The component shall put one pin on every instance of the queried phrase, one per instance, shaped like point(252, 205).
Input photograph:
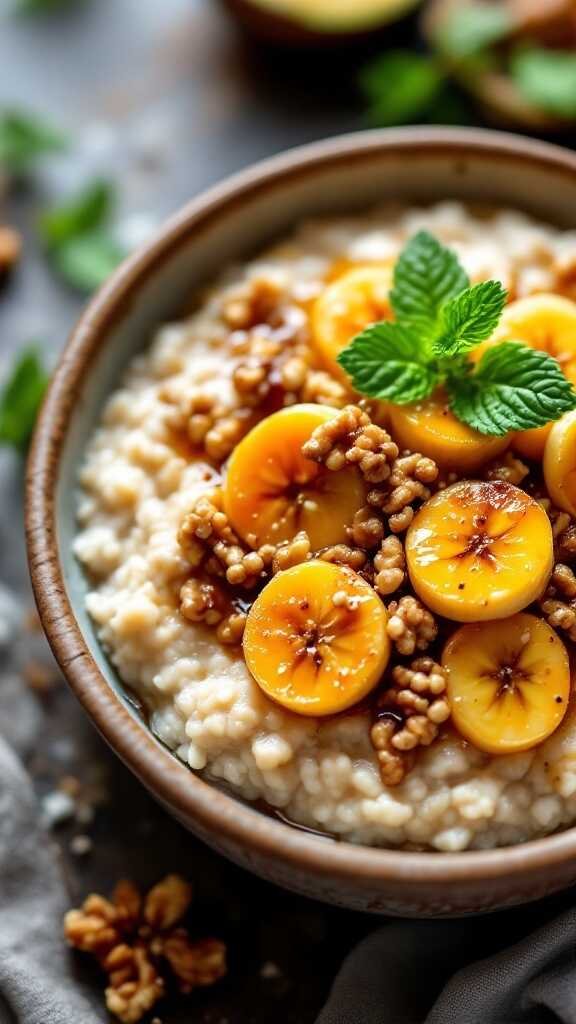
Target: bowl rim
point(216, 812)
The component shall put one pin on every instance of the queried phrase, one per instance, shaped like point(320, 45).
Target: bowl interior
point(234, 221)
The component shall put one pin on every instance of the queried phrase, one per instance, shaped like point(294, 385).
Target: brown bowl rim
point(216, 812)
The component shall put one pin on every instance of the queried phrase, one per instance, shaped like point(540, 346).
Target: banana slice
point(508, 683)
point(431, 428)
point(479, 550)
point(560, 463)
point(315, 640)
point(546, 322)
point(349, 304)
point(272, 492)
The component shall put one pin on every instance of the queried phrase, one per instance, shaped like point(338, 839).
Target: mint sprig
point(440, 318)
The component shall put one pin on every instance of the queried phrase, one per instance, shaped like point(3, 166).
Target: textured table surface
point(163, 99)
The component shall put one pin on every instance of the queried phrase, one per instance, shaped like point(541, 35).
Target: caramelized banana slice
point(560, 463)
point(315, 640)
point(272, 492)
point(349, 304)
point(479, 550)
point(431, 427)
point(508, 683)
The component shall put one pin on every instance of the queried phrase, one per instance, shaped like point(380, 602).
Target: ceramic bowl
point(231, 222)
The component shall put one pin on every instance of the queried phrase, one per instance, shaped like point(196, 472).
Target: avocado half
point(317, 22)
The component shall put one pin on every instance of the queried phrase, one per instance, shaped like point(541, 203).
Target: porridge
point(330, 591)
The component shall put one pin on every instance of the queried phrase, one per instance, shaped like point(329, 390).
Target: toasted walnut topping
point(411, 627)
point(408, 484)
point(559, 602)
point(410, 714)
point(341, 554)
point(231, 629)
point(292, 552)
point(254, 304)
point(351, 438)
point(508, 467)
point(194, 964)
point(223, 437)
point(205, 531)
point(390, 566)
point(319, 386)
point(566, 543)
point(138, 945)
point(251, 380)
point(293, 374)
point(201, 601)
point(135, 986)
point(367, 529)
point(199, 414)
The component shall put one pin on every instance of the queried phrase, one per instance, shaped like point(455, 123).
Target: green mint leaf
point(547, 78)
point(471, 28)
point(426, 275)
point(469, 318)
point(400, 87)
point(21, 399)
point(385, 361)
point(513, 388)
point(87, 211)
point(24, 139)
point(86, 261)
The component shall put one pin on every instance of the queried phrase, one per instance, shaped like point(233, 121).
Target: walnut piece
point(409, 483)
point(206, 530)
point(231, 629)
point(203, 601)
point(559, 602)
point(409, 715)
point(292, 552)
point(508, 467)
point(390, 566)
point(411, 626)
point(350, 438)
point(140, 945)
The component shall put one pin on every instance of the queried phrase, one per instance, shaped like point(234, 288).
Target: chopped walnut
point(410, 714)
point(140, 944)
point(566, 543)
point(508, 467)
point(201, 601)
point(341, 554)
point(367, 529)
point(390, 566)
point(231, 629)
point(292, 552)
point(252, 381)
point(194, 964)
point(252, 305)
point(411, 626)
point(206, 529)
point(319, 386)
point(559, 602)
point(135, 985)
point(351, 438)
point(408, 483)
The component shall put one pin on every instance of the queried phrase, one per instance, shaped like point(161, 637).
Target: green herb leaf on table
point(547, 78)
point(470, 318)
point(513, 388)
point(21, 399)
point(426, 275)
point(86, 261)
point(385, 361)
point(471, 28)
point(24, 139)
point(89, 210)
point(400, 87)
point(78, 240)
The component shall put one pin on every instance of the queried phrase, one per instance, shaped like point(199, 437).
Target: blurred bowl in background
point(313, 23)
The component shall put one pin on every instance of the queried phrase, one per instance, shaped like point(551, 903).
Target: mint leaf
point(24, 138)
point(400, 87)
point(21, 399)
point(513, 388)
point(385, 361)
point(547, 78)
point(86, 261)
point(426, 275)
point(470, 28)
point(469, 318)
point(85, 212)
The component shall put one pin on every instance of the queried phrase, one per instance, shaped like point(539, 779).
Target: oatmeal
point(194, 547)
